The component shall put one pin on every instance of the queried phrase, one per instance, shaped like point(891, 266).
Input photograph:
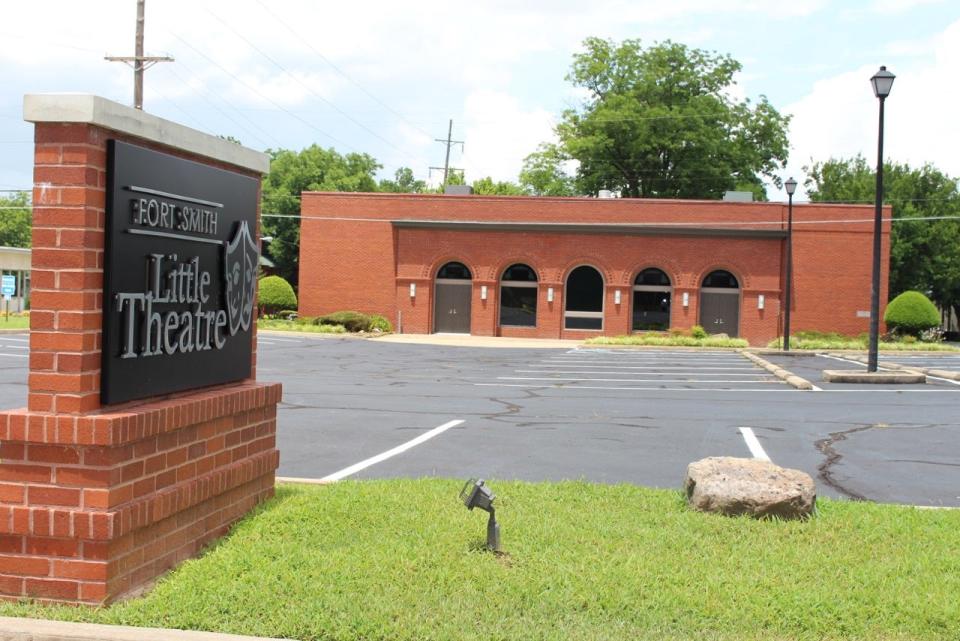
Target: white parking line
point(373, 460)
point(15, 355)
point(653, 367)
point(568, 388)
point(16, 340)
point(756, 373)
point(753, 444)
point(632, 380)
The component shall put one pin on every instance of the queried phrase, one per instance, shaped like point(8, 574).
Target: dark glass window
point(721, 278)
point(518, 302)
point(584, 290)
point(651, 311)
point(652, 276)
point(573, 322)
point(521, 273)
point(518, 306)
point(454, 270)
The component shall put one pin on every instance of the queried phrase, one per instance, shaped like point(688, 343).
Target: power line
point(306, 86)
point(745, 223)
point(339, 70)
point(259, 93)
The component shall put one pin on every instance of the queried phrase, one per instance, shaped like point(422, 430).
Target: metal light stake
point(476, 494)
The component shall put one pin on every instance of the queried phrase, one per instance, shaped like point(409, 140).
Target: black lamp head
point(476, 494)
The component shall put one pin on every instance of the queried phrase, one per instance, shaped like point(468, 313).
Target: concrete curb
point(303, 481)
point(888, 377)
point(16, 629)
point(785, 375)
point(929, 371)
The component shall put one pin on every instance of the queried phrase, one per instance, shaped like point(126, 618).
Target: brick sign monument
point(146, 434)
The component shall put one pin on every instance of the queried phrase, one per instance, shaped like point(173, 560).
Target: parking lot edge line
point(383, 456)
point(754, 445)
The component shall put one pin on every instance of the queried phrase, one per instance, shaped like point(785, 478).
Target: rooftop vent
point(458, 190)
point(606, 193)
point(738, 196)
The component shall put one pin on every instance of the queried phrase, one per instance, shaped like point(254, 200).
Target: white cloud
point(900, 6)
point(500, 133)
point(838, 118)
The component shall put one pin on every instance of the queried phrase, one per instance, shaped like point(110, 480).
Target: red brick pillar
point(98, 500)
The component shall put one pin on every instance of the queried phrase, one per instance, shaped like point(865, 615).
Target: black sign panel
point(179, 274)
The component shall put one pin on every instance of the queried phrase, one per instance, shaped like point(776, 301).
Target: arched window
point(583, 303)
point(518, 297)
point(454, 271)
point(720, 303)
point(651, 300)
point(721, 279)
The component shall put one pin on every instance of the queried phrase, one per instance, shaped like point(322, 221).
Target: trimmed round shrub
point(353, 321)
point(380, 323)
point(911, 313)
point(697, 331)
point(276, 294)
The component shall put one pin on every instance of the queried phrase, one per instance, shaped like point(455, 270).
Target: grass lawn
point(660, 340)
point(14, 322)
point(402, 560)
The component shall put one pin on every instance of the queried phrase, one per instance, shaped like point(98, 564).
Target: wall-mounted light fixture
point(616, 297)
point(686, 299)
point(483, 292)
point(549, 294)
point(760, 301)
point(413, 290)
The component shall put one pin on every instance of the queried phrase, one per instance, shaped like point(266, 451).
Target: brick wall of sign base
point(98, 501)
point(95, 505)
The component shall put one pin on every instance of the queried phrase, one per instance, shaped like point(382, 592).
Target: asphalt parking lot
point(601, 415)
point(373, 409)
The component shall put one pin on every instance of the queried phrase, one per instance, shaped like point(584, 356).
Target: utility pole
point(138, 61)
point(446, 163)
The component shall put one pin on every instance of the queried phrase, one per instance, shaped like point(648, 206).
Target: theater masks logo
point(240, 275)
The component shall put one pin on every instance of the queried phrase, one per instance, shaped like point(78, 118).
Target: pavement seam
point(783, 374)
point(16, 629)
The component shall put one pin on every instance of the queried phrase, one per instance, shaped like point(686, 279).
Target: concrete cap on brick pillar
point(100, 112)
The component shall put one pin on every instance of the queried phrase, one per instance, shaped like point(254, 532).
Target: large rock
point(736, 486)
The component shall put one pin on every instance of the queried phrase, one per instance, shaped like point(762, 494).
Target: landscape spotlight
point(476, 494)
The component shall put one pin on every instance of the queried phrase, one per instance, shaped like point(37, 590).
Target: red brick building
point(579, 267)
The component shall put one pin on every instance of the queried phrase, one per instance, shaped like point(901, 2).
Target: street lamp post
point(791, 187)
point(882, 82)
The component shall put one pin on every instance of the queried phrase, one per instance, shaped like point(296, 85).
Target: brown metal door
point(451, 309)
point(720, 313)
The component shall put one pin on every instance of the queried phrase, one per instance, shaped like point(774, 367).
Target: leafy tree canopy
point(924, 246)
point(543, 174)
point(292, 172)
point(488, 187)
point(660, 122)
point(15, 218)
point(403, 183)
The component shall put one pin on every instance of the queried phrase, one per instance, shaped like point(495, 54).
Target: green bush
point(911, 313)
point(353, 321)
point(276, 294)
point(697, 331)
point(378, 322)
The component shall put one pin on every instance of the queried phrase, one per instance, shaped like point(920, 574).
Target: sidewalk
point(465, 340)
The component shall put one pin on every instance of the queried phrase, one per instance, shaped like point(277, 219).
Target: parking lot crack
point(826, 447)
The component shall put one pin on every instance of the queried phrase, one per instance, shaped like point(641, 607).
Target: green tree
point(924, 240)
point(292, 172)
point(15, 220)
point(543, 174)
point(488, 187)
point(275, 294)
point(660, 122)
point(403, 183)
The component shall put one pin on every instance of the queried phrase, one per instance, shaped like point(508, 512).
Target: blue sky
point(385, 77)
